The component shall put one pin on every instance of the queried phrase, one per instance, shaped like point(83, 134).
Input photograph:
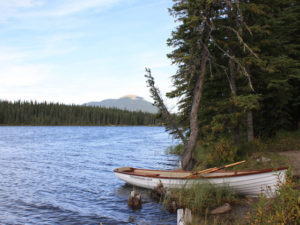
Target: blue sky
point(75, 51)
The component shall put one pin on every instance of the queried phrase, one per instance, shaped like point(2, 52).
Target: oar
point(210, 170)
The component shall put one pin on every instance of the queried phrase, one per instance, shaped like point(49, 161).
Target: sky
point(76, 51)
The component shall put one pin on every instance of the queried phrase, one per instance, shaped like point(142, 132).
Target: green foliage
point(252, 43)
point(284, 141)
point(170, 119)
point(215, 153)
point(283, 209)
point(277, 76)
point(188, 40)
point(218, 152)
point(201, 197)
point(246, 103)
point(175, 150)
point(33, 113)
point(262, 160)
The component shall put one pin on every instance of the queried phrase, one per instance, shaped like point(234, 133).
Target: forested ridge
point(34, 113)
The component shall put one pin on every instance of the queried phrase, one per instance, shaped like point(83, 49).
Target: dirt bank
point(294, 160)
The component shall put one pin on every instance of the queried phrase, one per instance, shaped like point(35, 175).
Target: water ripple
point(63, 175)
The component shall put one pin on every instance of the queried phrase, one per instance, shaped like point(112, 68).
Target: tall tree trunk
point(232, 78)
point(233, 88)
point(232, 72)
point(187, 160)
point(250, 132)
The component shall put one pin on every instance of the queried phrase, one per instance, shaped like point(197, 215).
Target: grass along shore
point(279, 151)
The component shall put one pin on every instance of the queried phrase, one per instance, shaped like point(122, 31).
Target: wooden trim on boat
point(156, 173)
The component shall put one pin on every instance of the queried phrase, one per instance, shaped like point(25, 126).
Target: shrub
point(215, 153)
point(283, 209)
point(175, 150)
point(284, 141)
point(201, 197)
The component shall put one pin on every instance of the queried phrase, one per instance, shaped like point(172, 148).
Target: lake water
point(64, 175)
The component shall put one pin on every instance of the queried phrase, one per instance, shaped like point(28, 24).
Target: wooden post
point(184, 216)
point(135, 200)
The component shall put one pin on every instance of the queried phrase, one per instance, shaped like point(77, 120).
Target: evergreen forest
point(33, 113)
point(238, 89)
point(238, 76)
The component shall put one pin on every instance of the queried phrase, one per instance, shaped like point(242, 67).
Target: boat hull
point(251, 184)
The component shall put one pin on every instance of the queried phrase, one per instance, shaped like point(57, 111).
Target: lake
point(64, 175)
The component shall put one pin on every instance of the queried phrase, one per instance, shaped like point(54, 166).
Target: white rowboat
point(246, 182)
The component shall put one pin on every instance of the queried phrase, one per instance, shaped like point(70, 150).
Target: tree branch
point(158, 102)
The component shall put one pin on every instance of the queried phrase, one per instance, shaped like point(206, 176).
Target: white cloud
point(71, 7)
point(25, 9)
point(23, 75)
point(20, 3)
point(43, 47)
point(8, 54)
point(57, 44)
point(12, 8)
point(16, 70)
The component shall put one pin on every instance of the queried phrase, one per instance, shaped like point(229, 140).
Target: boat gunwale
point(235, 173)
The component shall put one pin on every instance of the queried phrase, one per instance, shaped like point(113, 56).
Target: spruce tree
point(208, 40)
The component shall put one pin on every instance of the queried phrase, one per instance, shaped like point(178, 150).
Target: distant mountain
point(128, 102)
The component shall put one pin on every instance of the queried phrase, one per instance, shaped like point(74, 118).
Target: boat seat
point(125, 169)
point(148, 174)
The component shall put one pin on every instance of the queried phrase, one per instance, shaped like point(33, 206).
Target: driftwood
point(221, 209)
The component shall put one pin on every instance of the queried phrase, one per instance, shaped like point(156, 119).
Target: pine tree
point(208, 40)
point(275, 25)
